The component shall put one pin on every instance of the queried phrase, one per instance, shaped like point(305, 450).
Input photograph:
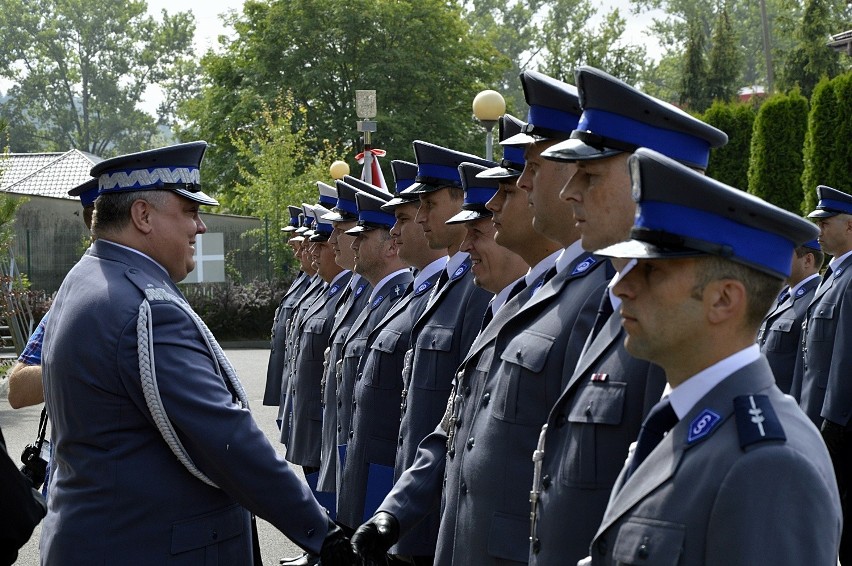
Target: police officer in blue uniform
point(278, 340)
point(368, 466)
point(823, 365)
point(711, 260)
point(781, 330)
point(154, 396)
point(312, 331)
point(608, 392)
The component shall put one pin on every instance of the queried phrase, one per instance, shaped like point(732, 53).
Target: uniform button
point(536, 545)
point(434, 341)
point(518, 354)
point(400, 440)
point(643, 551)
point(463, 488)
point(458, 423)
point(467, 391)
point(339, 428)
point(358, 377)
point(470, 442)
point(215, 535)
point(485, 399)
point(451, 452)
point(351, 434)
point(339, 404)
point(545, 481)
point(561, 420)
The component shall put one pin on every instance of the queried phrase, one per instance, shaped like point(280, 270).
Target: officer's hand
point(336, 549)
point(832, 434)
point(373, 539)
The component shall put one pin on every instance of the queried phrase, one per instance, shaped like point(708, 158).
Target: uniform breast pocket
point(521, 392)
point(214, 538)
point(384, 368)
point(433, 342)
point(821, 327)
point(314, 329)
point(778, 334)
point(594, 455)
point(649, 541)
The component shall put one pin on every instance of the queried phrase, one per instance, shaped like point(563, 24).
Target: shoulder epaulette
point(756, 420)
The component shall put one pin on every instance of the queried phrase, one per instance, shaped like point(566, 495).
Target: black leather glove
point(373, 539)
point(336, 549)
point(832, 434)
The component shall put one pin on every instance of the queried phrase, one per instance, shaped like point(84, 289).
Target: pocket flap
point(386, 341)
point(208, 529)
point(599, 403)
point(315, 325)
point(435, 338)
point(824, 310)
point(648, 541)
point(529, 350)
point(782, 325)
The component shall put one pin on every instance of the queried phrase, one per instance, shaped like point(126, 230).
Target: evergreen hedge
point(729, 163)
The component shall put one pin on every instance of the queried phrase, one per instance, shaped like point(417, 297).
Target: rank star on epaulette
point(460, 271)
point(756, 420)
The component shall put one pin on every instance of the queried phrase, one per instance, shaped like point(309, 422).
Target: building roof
point(45, 174)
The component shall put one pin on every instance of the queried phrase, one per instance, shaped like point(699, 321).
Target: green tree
point(812, 58)
point(729, 163)
point(775, 170)
point(278, 168)
point(827, 157)
point(419, 56)
point(81, 68)
point(567, 42)
point(693, 89)
point(724, 58)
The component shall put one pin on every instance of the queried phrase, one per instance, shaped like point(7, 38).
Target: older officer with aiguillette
point(157, 459)
point(727, 470)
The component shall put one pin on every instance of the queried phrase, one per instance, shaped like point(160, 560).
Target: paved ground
point(19, 428)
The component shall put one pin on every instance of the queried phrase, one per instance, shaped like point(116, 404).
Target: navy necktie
point(605, 310)
point(660, 420)
point(825, 276)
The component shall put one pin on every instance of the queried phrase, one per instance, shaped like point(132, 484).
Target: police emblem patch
point(460, 271)
point(584, 265)
point(360, 289)
point(334, 289)
point(378, 300)
point(422, 288)
point(702, 425)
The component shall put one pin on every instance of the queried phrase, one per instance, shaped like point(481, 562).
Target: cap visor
point(333, 217)
point(288, 229)
point(520, 140)
point(468, 215)
point(198, 197)
point(498, 173)
point(419, 189)
point(396, 201)
point(823, 214)
point(360, 229)
point(637, 249)
point(576, 150)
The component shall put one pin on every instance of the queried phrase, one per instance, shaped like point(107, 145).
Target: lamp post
point(338, 169)
point(488, 106)
point(365, 108)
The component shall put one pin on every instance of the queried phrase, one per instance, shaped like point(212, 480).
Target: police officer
point(710, 262)
point(278, 340)
point(368, 466)
point(312, 331)
point(601, 407)
point(822, 370)
point(154, 395)
point(781, 330)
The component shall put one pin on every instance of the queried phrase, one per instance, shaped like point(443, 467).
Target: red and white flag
point(373, 174)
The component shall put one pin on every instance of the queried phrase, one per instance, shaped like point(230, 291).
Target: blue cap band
point(403, 184)
point(676, 145)
point(837, 205)
point(88, 198)
point(347, 206)
point(324, 228)
point(377, 217)
point(429, 171)
point(327, 201)
point(514, 154)
point(552, 119)
point(478, 195)
point(748, 244)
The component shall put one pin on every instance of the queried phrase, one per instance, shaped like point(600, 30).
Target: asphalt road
point(20, 427)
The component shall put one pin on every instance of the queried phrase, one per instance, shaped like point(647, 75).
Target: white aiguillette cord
point(145, 348)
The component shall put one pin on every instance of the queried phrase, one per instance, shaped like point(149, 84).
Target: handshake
point(368, 547)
